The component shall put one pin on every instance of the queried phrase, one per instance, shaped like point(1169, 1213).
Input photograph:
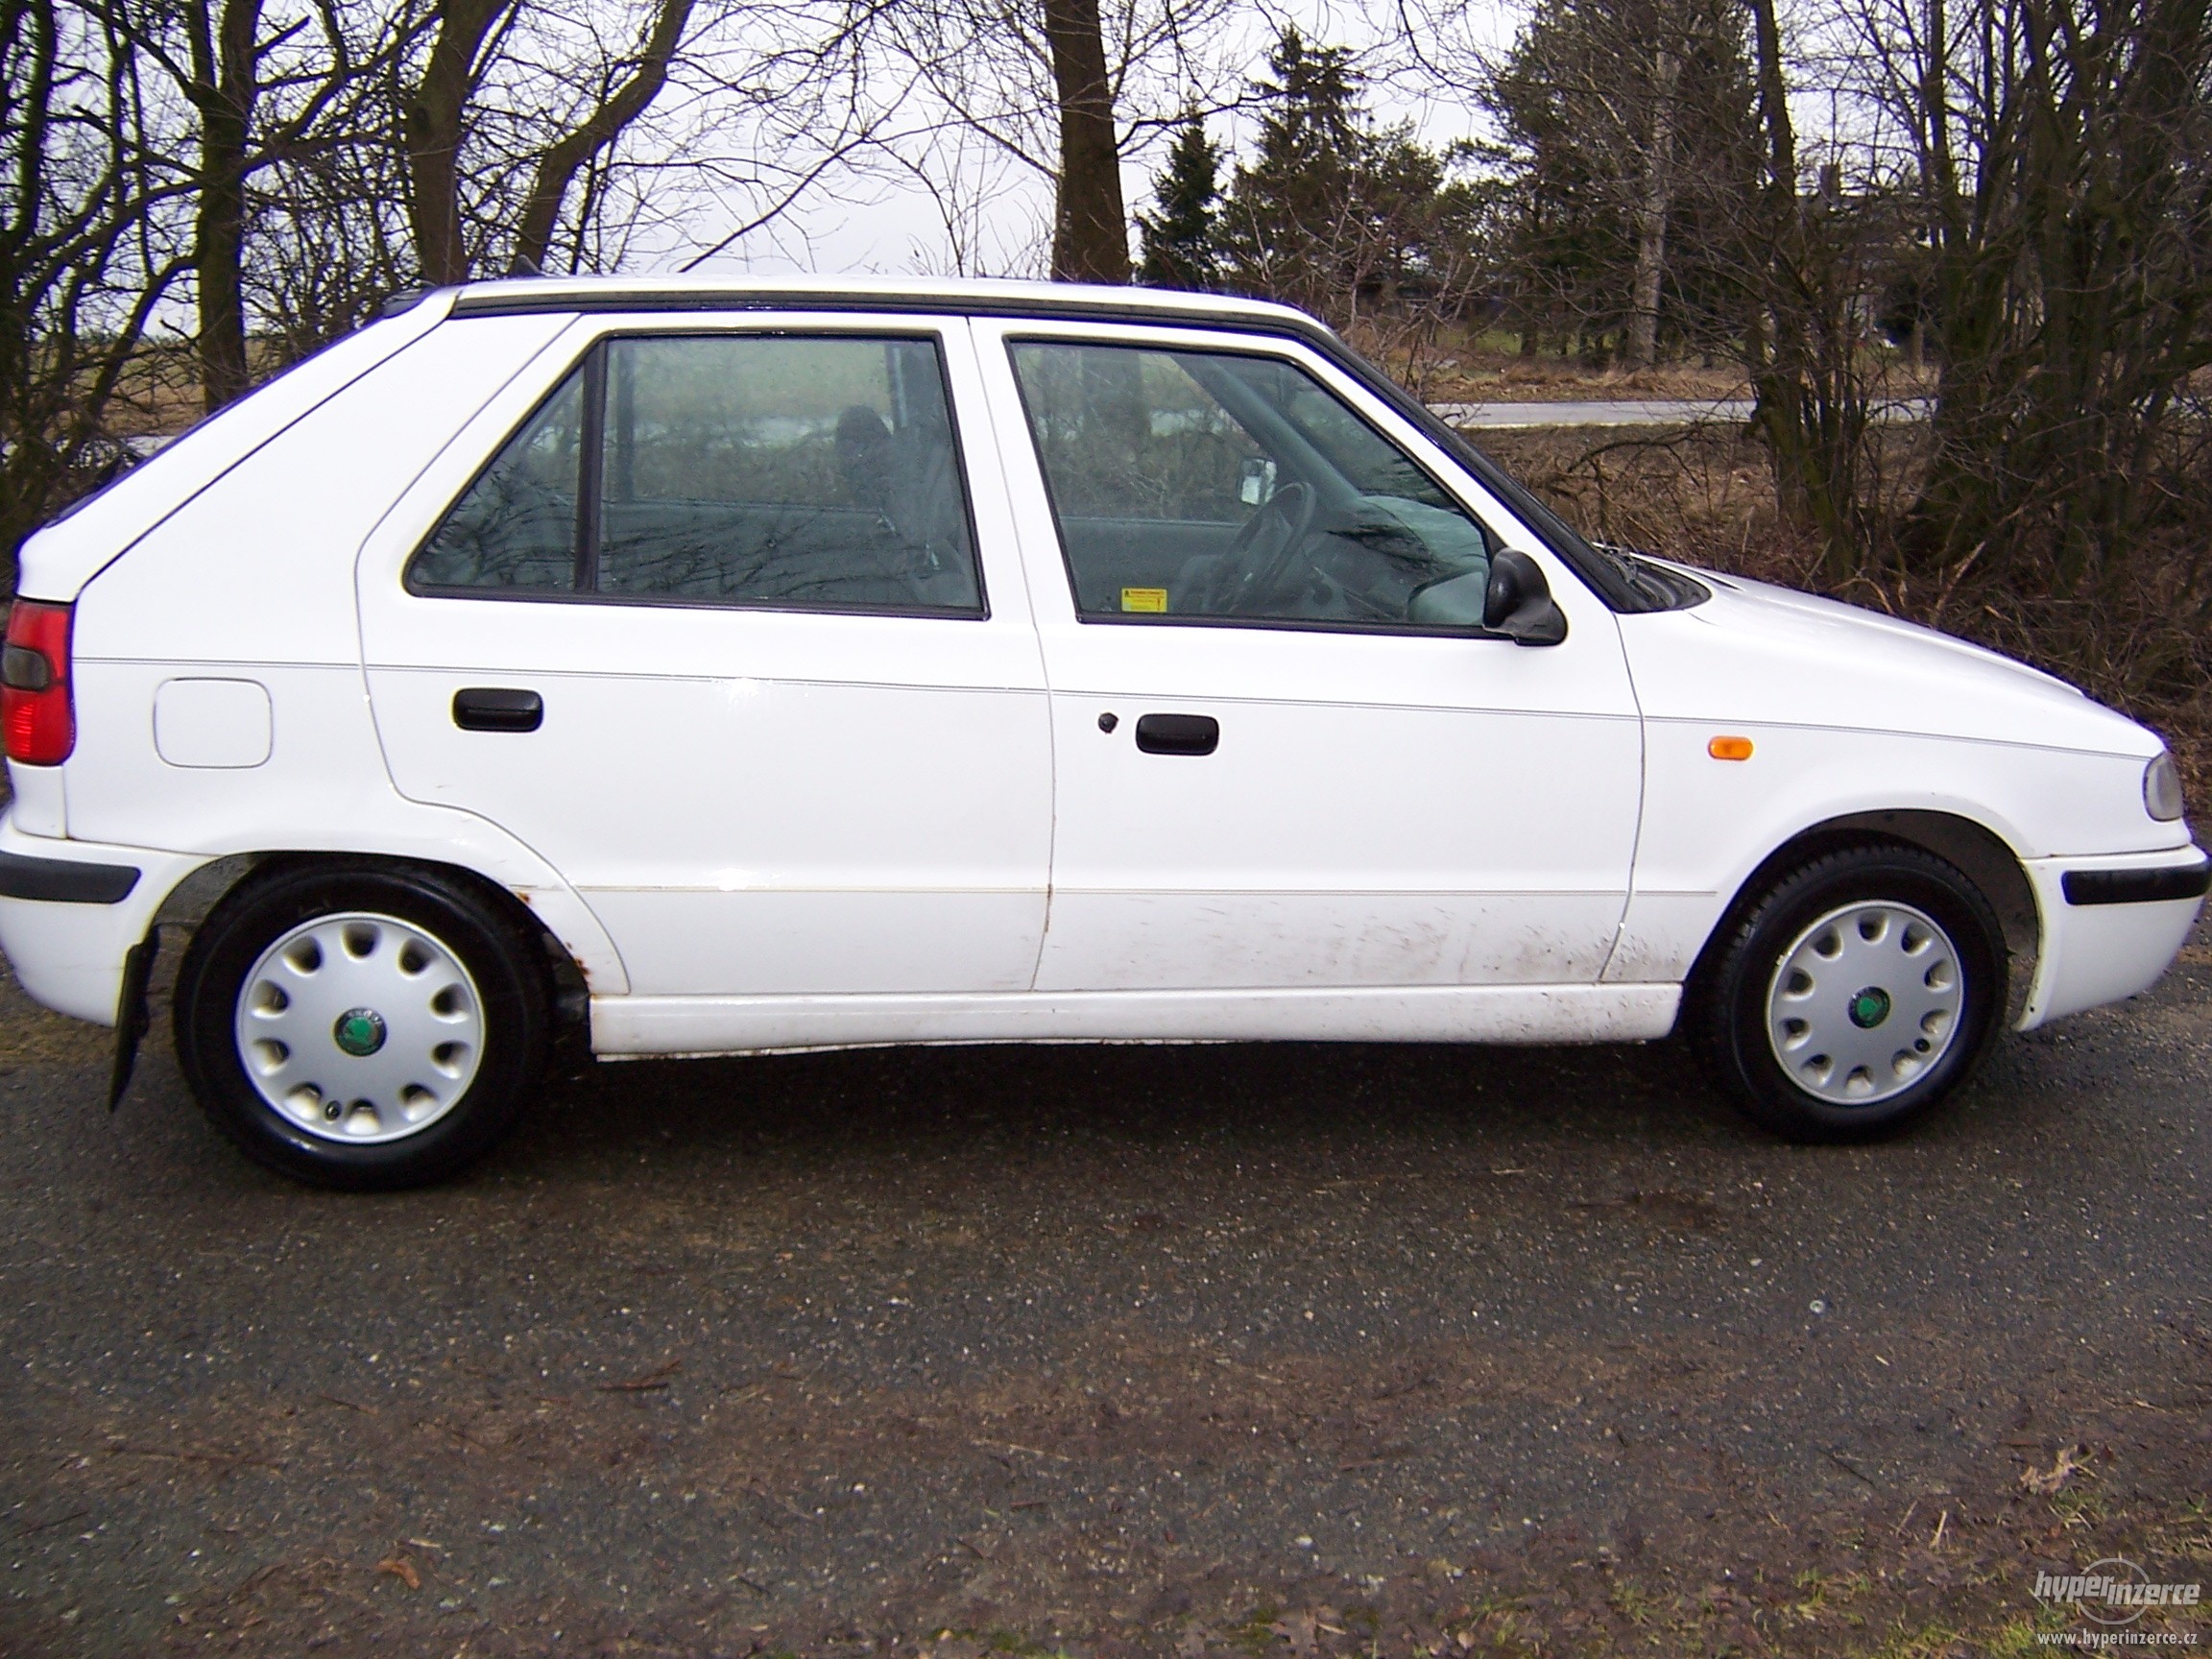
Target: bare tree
point(1064, 88)
point(264, 84)
point(560, 160)
point(547, 137)
point(2040, 166)
point(2059, 151)
point(87, 254)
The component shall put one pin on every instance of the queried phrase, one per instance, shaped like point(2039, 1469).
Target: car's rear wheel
point(362, 1028)
point(1852, 994)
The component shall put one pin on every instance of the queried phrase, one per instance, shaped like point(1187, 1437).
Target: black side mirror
point(1518, 603)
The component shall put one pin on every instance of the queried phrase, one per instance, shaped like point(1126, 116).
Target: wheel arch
point(193, 898)
point(1975, 851)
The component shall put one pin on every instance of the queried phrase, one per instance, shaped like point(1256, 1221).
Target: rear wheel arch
point(195, 898)
point(450, 1014)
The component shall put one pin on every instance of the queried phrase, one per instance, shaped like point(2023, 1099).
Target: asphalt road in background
point(1174, 1350)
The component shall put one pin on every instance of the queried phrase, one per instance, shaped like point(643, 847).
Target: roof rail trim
point(514, 303)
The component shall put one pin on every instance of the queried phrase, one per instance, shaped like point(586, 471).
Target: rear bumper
point(70, 911)
point(2110, 927)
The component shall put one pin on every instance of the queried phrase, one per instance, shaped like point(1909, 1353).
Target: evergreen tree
point(1179, 242)
point(1627, 143)
point(1334, 212)
point(1291, 201)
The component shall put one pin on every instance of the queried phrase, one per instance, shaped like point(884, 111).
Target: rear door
point(711, 615)
point(1288, 754)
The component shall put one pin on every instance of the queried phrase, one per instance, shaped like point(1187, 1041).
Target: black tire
point(1728, 1013)
point(511, 1014)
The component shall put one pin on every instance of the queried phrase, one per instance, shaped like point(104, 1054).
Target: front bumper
point(70, 912)
point(2110, 925)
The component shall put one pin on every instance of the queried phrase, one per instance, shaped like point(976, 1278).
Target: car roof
point(957, 295)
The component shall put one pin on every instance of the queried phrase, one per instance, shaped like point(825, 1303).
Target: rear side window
point(780, 472)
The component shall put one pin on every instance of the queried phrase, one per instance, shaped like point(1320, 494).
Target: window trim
point(1194, 619)
point(1602, 576)
point(592, 364)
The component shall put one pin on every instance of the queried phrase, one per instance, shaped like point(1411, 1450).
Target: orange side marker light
point(1729, 748)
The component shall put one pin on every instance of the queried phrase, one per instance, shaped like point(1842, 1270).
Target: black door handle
point(1178, 734)
point(497, 709)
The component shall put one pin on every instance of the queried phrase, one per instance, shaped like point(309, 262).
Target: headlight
point(2162, 789)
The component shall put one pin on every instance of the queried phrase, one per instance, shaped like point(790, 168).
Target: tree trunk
point(1651, 210)
point(432, 138)
point(1783, 411)
point(1089, 226)
point(226, 85)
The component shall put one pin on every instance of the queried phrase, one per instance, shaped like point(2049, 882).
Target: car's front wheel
point(1852, 994)
point(362, 1028)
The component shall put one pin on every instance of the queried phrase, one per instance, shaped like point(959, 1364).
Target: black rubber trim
point(2138, 886)
point(398, 304)
point(65, 880)
point(1599, 574)
point(131, 1016)
point(586, 302)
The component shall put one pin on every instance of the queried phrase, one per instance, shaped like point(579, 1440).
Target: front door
point(1287, 756)
point(716, 632)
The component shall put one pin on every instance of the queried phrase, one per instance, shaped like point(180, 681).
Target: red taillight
point(34, 707)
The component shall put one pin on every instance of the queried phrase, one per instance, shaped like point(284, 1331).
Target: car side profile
point(735, 667)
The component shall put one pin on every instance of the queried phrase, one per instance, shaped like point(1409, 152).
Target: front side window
point(1219, 486)
point(784, 471)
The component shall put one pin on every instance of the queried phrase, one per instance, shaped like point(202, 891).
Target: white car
point(737, 667)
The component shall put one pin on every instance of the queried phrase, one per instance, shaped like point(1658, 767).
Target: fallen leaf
point(402, 1570)
point(2071, 1462)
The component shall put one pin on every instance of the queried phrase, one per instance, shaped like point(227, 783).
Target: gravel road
point(1132, 1350)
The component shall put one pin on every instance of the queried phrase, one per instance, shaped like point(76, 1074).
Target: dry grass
point(1446, 364)
point(1501, 377)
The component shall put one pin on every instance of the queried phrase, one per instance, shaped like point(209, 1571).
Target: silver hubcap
point(1865, 1001)
point(360, 1028)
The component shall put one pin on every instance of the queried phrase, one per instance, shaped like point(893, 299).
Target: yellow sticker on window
point(1144, 599)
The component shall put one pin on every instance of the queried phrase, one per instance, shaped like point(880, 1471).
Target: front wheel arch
point(1977, 852)
point(1734, 1014)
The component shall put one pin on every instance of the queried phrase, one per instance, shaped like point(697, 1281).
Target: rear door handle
point(497, 709)
point(1178, 734)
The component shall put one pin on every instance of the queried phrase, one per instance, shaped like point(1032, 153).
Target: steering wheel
point(1260, 555)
